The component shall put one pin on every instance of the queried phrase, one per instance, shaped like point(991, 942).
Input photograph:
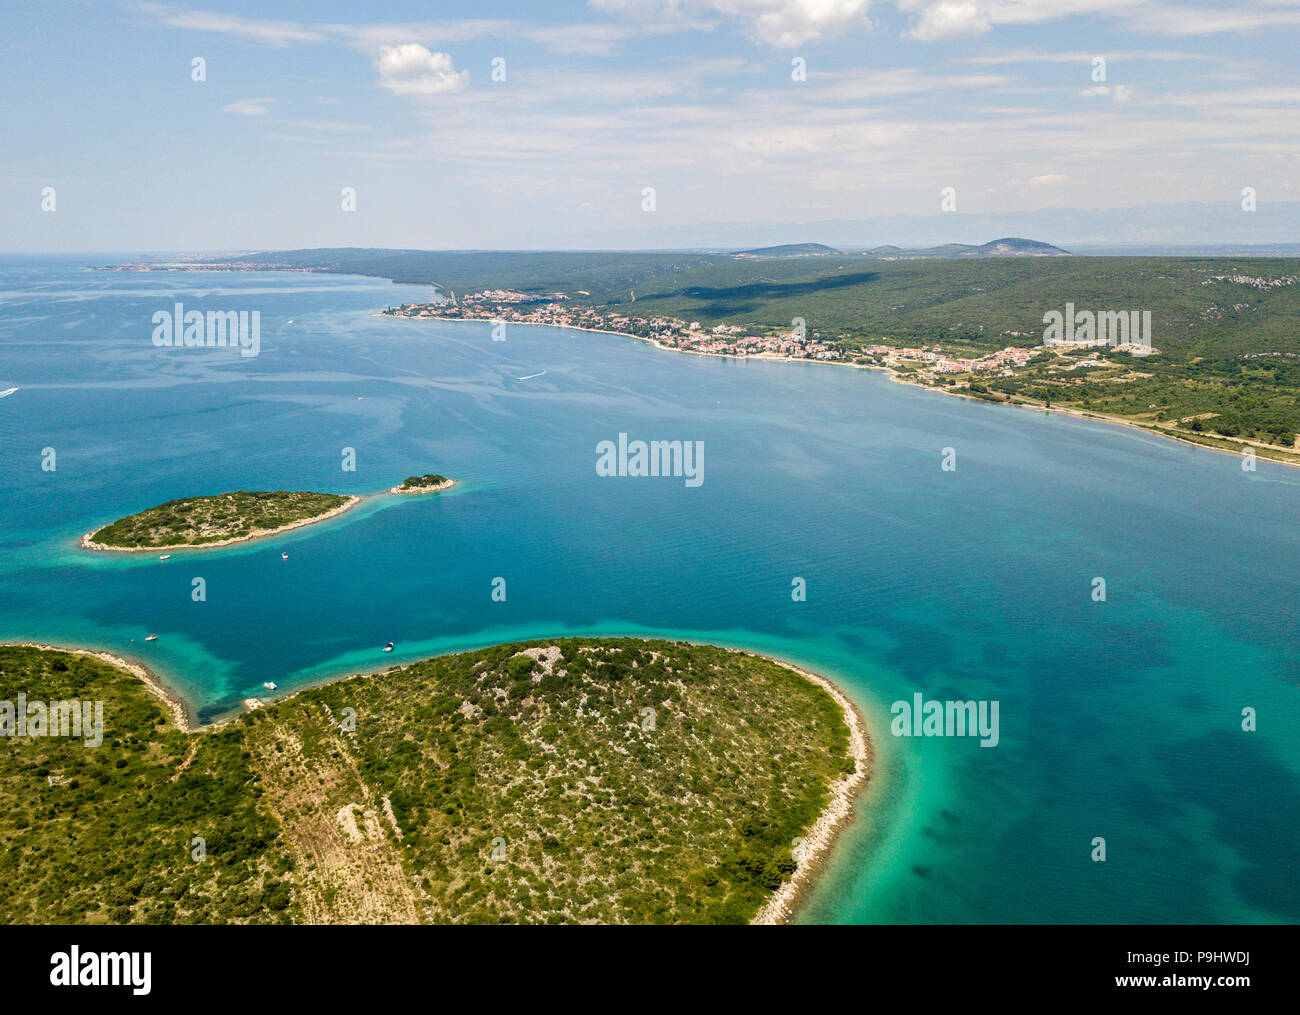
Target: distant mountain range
point(1007, 246)
point(1156, 229)
point(790, 250)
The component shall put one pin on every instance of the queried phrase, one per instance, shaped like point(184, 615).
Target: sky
point(747, 119)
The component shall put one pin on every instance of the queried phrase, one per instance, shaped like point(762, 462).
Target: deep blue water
point(1119, 719)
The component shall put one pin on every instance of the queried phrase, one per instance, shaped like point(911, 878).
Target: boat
point(284, 556)
point(268, 685)
point(165, 556)
point(388, 647)
point(7, 392)
point(152, 637)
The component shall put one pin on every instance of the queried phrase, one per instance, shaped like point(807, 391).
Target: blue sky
point(694, 98)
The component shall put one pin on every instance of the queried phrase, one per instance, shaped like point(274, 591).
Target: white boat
point(152, 637)
point(284, 556)
point(7, 392)
point(388, 647)
point(165, 556)
point(269, 686)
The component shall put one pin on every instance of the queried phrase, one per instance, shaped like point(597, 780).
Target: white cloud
point(781, 23)
point(276, 33)
point(789, 23)
point(248, 107)
point(946, 19)
point(1181, 20)
point(370, 37)
point(410, 69)
point(366, 37)
point(951, 19)
point(1048, 179)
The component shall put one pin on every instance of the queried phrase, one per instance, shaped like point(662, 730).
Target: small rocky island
point(428, 483)
point(217, 520)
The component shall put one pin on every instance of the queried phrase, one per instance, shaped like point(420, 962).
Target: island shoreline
point(87, 543)
point(417, 490)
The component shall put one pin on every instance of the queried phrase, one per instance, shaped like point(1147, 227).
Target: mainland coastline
point(1290, 458)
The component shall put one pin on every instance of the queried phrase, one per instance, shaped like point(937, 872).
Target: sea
point(1147, 761)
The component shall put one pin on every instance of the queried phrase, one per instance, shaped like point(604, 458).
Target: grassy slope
point(110, 839)
point(199, 520)
point(602, 820)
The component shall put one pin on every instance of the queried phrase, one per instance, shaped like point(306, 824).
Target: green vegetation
point(196, 521)
point(1228, 328)
point(577, 781)
point(106, 834)
point(428, 481)
point(1252, 398)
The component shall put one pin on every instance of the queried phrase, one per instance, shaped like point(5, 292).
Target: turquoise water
point(1119, 719)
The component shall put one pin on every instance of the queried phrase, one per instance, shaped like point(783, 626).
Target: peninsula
point(555, 781)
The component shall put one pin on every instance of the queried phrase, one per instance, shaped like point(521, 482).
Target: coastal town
point(505, 306)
